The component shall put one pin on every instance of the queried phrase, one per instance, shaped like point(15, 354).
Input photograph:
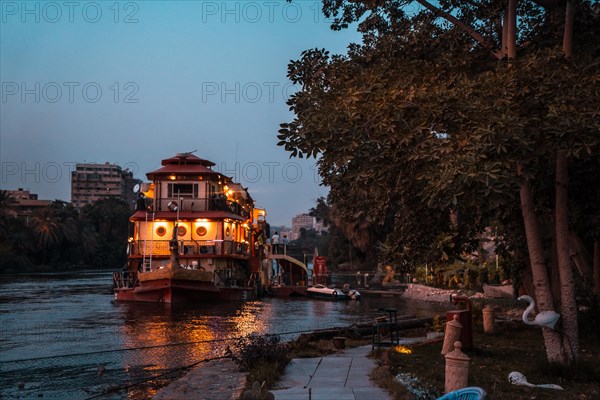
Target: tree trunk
point(568, 304)
point(505, 34)
point(511, 31)
point(552, 340)
point(581, 258)
point(568, 32)
point(597, 266)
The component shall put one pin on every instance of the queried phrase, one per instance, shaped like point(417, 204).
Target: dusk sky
point(134, 82)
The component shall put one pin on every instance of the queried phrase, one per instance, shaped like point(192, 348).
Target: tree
point(434, 112)
point(55, 228)
point(104, 229)
point(347, 242)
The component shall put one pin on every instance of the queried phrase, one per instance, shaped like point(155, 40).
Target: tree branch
point(472, 32)
point(550, 4)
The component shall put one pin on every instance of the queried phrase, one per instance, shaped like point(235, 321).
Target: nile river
point(62, 336)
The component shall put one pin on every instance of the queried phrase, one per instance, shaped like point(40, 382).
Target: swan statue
point(518, 379)
point(545, 318)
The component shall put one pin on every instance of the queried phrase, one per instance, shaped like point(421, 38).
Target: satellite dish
point(136, 188)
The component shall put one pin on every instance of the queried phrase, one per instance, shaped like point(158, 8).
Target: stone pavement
point(343, 375)
point(213, 380)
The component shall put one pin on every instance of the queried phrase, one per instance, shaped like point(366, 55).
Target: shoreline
point(231, 383)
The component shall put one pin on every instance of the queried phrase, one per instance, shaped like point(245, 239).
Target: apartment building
point(301, 221)
point(93, 182)
point(25, 202)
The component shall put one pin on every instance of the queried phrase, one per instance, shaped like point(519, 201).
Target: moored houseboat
point(195, 237)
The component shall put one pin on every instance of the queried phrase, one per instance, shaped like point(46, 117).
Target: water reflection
point(52, 315)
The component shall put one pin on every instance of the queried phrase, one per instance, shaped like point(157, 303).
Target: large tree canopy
point(448, 110)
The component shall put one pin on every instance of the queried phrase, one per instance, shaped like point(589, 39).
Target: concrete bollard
point(451, 335)
point(489, 320)
point(457, 369)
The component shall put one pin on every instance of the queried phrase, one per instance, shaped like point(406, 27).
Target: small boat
point(323, 292)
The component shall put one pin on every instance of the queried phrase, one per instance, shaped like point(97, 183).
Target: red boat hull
point(288, 291)
point(178, 291)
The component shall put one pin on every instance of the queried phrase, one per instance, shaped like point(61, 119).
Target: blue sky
point(133, 82)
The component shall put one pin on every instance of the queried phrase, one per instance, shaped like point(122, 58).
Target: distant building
point(93, 182)
point(301, 221)
point(26, 202)
point(320, 227)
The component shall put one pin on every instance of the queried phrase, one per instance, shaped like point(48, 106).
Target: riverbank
point(202, 380)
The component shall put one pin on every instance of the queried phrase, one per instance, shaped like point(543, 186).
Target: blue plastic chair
point(468, 393)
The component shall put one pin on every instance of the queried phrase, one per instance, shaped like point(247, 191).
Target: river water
point(62, 336)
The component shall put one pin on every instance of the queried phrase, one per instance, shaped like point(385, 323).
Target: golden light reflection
point(402, 350)
point(251, 319)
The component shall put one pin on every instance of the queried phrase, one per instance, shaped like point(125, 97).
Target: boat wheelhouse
point(195, 236)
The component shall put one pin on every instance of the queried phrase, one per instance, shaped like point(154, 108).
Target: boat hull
point(324, 293)
point(182, 291)
point(287, 291)
point(180, 285)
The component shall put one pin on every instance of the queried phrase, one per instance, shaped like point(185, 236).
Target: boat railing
point(199, 204)
point(191, 247)
point(125, 279)
point(227, 278)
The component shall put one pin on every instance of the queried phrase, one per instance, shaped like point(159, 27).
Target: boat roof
point(184, 164)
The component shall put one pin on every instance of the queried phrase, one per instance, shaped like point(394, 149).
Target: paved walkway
point(343, 375)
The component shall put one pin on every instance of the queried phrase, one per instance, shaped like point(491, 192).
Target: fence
point(112, 374)
point(132, 373)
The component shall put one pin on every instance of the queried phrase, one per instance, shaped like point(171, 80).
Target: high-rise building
point(301, 221)
point(92, 182)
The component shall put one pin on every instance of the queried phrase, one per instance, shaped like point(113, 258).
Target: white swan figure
point(517, 378)
point(545, 318)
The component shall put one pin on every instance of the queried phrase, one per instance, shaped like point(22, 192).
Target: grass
point(514, 348)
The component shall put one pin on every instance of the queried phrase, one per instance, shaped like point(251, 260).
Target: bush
point(253, 350)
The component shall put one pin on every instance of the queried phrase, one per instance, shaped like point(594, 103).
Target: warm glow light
point(172, 177)
point(402, 350)
point(201, 220)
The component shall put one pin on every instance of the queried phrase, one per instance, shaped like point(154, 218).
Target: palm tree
point(47, 229)
point(7, 202)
